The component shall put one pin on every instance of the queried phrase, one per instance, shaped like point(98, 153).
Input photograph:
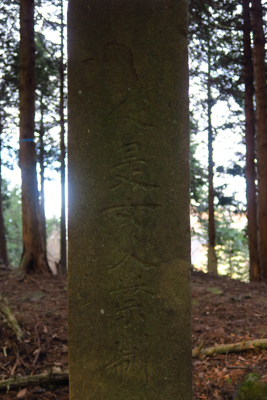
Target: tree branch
point(198, 352)
point(31, 380)
point(10, 318)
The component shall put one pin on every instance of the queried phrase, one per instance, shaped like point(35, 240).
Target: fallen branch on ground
point(32, 380)
point(24, 381)
point(10, 318)
point(198, 352)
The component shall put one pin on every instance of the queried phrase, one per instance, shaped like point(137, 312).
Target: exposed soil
point(234, 312)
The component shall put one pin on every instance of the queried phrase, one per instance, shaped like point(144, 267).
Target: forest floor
point(223, 311)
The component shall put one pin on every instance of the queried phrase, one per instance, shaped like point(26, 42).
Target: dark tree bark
point(261, 130)
point(41, 162)
point(254, 267)
point(212, 259)
point(33, 257)
point(63, 248)
point(3, 244)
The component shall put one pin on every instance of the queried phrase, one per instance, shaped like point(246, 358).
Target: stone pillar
point(129, 237)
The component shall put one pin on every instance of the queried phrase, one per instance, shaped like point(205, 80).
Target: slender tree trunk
point(33, 257)
point(230, 261)
point(212, 259)
point(261, 130)
point(254, 267)
point(3, 245)
point(41, 161)
point(63, 249)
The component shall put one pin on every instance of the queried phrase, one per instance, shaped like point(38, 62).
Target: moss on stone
point(252, 389)
point(129, 233)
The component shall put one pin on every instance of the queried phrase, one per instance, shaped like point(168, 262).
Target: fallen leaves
point(45, 335)
point(22, 393)
point(215, 290)
point(232, 320)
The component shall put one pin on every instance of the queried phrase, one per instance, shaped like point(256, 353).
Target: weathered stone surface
point(129, 238)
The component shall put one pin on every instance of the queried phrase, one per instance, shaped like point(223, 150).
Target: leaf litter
point(240, 315)
point(234, 312)
point(40, 306)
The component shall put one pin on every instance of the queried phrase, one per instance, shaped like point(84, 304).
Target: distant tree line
point(227, 64)
point(32, 103)
point(229, 67)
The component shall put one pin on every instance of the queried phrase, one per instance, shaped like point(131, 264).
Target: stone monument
point(129, 236)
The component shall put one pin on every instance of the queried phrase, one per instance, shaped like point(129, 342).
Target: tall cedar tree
point(3, 244)
point(63, 248)
point(200, 30)
point(229, 60)
point(41, 162)
point(201, 18)
point(261, 130)
point(254, 268)
point(33, 257)
point(45, 71)
point(212, 260)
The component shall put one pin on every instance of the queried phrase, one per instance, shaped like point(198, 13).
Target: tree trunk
point(41, 161)
point(33, 257)
point(3, 245)
point(261, 130)
point(231, 268)
point(63, 249)
point(254, 267)
point(212, 259)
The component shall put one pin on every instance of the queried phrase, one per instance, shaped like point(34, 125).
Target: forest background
point(219, 149)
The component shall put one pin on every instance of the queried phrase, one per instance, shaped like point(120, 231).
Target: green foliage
point(53, 240)
point(231, 238)
point(13, 222)
point(232, 245)
point(236, 170)
point(52, 225)
point(198, 176)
